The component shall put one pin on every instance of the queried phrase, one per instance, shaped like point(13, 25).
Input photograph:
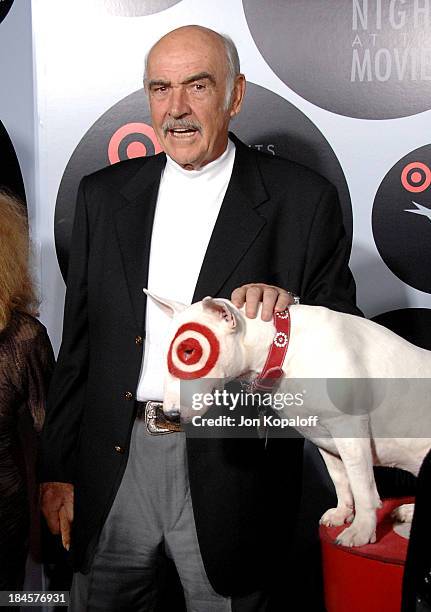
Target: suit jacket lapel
point(237, 225)
point(134, 223)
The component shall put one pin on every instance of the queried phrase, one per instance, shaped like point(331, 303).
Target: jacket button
point(128, 395)
point(138, 340)
point(119, 449)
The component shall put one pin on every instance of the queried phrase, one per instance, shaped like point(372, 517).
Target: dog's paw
point(357, 535)
point(334, 517)
point(404, 513)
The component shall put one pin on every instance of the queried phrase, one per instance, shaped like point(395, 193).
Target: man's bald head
point(210, 37)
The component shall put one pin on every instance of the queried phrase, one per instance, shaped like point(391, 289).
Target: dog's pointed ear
point(223, 309)
point(169, 307)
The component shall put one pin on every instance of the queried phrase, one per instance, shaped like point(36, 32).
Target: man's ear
point(169, 307)
point(223, 309)
point(237, 95)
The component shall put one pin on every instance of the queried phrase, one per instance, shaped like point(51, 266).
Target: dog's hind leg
point(403, 513)
point(343, 513)
point(356, 456)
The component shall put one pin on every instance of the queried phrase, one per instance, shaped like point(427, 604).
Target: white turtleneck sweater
point(187, 207)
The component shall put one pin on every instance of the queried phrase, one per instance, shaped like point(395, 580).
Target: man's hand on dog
point(57, 508)
point(274, 299)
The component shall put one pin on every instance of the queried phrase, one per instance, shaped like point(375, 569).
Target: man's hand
point(57, 508)
point(272, 298)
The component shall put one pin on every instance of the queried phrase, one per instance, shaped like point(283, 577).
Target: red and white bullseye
point(193, 351)
point(136, 147)
point(416, 177)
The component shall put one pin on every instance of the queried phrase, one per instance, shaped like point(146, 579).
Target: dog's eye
point(188, 353)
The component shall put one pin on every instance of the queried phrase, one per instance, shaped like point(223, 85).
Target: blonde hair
point(16, 285)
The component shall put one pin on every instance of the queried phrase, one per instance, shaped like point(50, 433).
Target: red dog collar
point(273, 368)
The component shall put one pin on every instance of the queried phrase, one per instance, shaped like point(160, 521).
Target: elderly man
point(208, 216)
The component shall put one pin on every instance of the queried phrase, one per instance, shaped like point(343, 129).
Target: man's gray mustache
point(180, 123)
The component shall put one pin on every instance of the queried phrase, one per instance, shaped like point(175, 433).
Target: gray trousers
point(151, 516)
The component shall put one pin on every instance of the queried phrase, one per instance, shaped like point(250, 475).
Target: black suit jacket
point(280, 224)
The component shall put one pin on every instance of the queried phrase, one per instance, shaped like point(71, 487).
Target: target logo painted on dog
point(193, 352)
point(402, 219)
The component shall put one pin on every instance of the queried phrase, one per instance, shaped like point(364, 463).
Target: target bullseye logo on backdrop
point(360, 58)
point(416, 177)
point(402, 219)
point(129, 141)
point(5, 6)
point(124, 131)
point(193, 352)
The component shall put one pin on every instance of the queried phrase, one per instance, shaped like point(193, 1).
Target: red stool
point(367, 578)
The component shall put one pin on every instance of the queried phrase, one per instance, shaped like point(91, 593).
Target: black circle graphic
point(5, 6)
point(413, 324)
point(136, 8)
point(402, 219)
point(352, 57)
point(10, 172)
point(267, 122)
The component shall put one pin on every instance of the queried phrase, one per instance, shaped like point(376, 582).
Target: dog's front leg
point(356, 456)
point(343, 513)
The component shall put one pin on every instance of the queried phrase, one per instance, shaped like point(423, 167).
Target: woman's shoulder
point(23, 328)
point(27, 339)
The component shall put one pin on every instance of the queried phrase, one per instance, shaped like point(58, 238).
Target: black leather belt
point(155, 419)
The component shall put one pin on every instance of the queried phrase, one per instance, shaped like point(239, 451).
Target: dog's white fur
point(330, 345)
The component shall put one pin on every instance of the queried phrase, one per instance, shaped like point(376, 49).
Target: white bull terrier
point(213, 339)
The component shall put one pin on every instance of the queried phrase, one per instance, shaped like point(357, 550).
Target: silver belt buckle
point(150, 419)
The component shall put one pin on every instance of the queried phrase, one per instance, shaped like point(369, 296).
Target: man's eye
point(160, 89)
point(199, 87)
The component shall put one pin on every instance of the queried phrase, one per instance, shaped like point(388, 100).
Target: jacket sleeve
point(39, 365)
point(327, 279)
point(64, 413)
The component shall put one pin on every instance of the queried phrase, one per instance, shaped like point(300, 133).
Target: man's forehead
point(189, 54)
